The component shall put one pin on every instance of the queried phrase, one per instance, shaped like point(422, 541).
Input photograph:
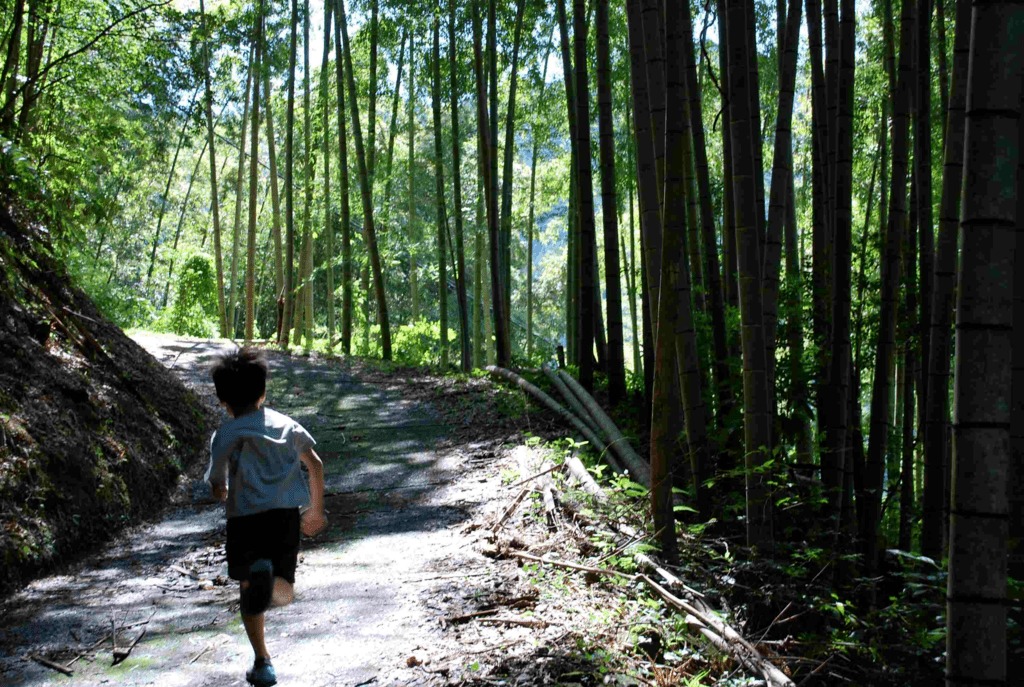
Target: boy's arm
point(313, 521)
point(217, 472)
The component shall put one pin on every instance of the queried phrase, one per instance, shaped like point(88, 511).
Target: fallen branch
point(209, 645)
point(511, 509)
point(567, 565)
point(571, 399)
point(448, 576)
point(582, 476)
point(51, 664)
point(620, 549)
point(469, 616)
point(121, 654)
point(560, 410)
point(671, 580)
point(496, 649)
point(533, 477)
point(817, 670)
point(87, 651)
point(698, 613)
point(723, 636)
point(524, 622)
point(640, 469)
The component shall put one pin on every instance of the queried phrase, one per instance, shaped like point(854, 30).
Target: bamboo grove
point(787, 230)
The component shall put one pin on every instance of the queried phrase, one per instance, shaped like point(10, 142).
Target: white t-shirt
point(257, 456)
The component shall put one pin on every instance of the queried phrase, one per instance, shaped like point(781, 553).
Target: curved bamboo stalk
point(618, 443)
point(556, 407)
point(571, 399)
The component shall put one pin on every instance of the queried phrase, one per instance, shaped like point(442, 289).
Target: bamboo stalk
point(618, 443)
point(556, 407)
point(571, 399)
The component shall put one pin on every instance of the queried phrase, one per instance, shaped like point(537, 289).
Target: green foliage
point(419, 343)
point(194, 312)
point(124, 304)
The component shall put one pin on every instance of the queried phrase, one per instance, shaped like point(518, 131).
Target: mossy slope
point(93, 431)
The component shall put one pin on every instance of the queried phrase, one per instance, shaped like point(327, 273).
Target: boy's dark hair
point(240, 378)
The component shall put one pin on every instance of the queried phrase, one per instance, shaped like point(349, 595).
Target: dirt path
point(396, 501)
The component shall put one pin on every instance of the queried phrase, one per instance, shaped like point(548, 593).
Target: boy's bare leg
point(283, 593)
point(254, 629)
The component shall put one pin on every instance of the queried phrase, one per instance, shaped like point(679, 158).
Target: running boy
point(256, 460)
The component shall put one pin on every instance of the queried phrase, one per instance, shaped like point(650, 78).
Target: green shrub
point(194, 312)
point(419, 344)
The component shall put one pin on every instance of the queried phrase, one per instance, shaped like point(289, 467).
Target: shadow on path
point(357, 612)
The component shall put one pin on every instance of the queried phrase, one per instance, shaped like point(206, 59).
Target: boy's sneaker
point(256, 598)
point(262, 673)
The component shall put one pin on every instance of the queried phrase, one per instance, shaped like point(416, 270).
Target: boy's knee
point(283, 594)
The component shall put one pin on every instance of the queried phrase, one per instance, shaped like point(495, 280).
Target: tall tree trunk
point(782, 172)
point(411, 230)
point(502, 350)
point(478, 276)
point(32, 79)
point(455, 92)
point(392, 134)
point(610, 211)
point(491, 61)
point(572, 267)
point(307, 184)
point(664, 300)
point(654, 52)
point(822, 231)
point(9, 76)
point(977, 584)
point(837, 409)
point(364, 277)
point(289, 186)
point(880, 160)
point(347, 276)
point(630, 266)
point(239, 176)
point(647, 195)
point(936, 430)
point(890, 271)
point(1015, 484)
point(371, 110)
point(214, 199)
point(731, 288)
point(509, 153)
point(675, 318)
point(275, 194)
point(757, 417)
point(442, 263)
point(366, 193)
point(584, 196)
point(798, 391)
point(329, 220)
point(572, 263)
point(906, 379)
point(533, 194)
point(254, 158)
point(940, 31)
point(712, 268)
point(754, 94)
point(923, 169)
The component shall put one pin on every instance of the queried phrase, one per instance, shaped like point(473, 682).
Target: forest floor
point(403, 589)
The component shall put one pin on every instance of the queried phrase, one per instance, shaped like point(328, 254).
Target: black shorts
point(272, 534)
